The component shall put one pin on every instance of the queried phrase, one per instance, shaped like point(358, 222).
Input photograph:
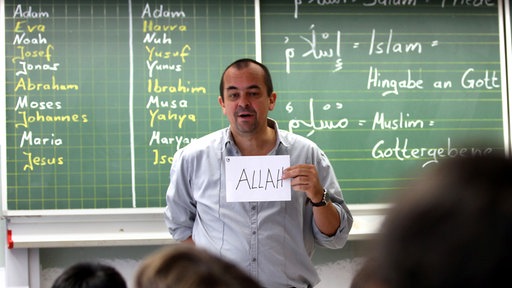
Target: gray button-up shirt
point(272, 241)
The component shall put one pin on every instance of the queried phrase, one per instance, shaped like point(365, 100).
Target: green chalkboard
point(336, 65)
point(100, 94)
point(92, 121)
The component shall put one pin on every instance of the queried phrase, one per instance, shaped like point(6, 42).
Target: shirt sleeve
point(339, 239)
point(180, 212)
point(330, 182)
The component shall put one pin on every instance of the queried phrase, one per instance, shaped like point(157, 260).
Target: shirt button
point(253, 259)
point(253, 232)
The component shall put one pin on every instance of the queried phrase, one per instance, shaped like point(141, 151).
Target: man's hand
point(304, 177)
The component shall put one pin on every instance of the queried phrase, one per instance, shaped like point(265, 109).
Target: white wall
point(336, 267)
point(2, 277)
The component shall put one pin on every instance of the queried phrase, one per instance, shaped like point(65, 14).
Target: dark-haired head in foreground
point(452, 227)
point(90, 275)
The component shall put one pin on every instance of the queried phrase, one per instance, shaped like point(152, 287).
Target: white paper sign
point(257, 178)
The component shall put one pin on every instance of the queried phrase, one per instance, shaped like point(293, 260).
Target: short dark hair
point(244, 63)
point(90, 275)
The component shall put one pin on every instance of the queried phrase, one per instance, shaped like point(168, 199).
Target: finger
point(298, 170)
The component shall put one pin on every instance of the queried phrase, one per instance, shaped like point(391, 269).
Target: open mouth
point(245, 115)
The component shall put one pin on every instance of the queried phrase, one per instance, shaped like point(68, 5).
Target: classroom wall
point(2, 252)
point(3, 244)
point(336, 267)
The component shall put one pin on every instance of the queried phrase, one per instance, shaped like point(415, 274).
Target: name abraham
point(30, 86)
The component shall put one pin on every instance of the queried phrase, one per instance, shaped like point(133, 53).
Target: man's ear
point(221, 103)
point(272, 100)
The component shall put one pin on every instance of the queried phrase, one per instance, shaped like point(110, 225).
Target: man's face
point(246, 103)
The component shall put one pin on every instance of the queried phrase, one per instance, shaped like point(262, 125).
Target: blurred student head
point(90, 275)
point(186, 266)
point(452, 227)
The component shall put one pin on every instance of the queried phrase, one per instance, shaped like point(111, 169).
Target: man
point(271, 240)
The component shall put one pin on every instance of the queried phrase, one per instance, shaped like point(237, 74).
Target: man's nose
point(244, 101)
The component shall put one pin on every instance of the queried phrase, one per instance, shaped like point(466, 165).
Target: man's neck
point(256, 144)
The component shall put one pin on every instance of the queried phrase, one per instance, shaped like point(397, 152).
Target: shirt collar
point(228, 137)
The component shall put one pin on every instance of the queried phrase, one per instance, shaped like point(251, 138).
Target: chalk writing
point(42, 118)
point(389, 46)
point(23, 103)
point(22, 26)
point(489, 80)
point(33, 51)
point(22, 39)
point(329, 4)
point(402, 122)
point(40, 161)
point(154, 39)
point(156, 115)
point(160, 12)
point(156, 66)
point(180, 141)
point(401, 151)
point(19, 13)
point(154, 101)
point(28, 85)
point(468, 3)
point(182, 54)
point(39, 141)
point(160, 158)
point(150, 26)
point(375, 80)
point(394, 3)
point(317, 52)
point(167, 51)
point(155, 87)
point(26, 67)
point(45, 54)
point(317, 125)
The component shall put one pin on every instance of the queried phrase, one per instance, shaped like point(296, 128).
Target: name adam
point(18, 12)
point(160, 12)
